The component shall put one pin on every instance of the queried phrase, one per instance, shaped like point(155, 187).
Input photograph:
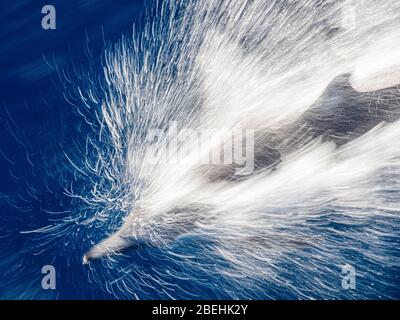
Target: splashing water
point(316, 85)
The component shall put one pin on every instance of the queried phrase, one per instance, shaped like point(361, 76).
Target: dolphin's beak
point(114, 244)
point(122, 239)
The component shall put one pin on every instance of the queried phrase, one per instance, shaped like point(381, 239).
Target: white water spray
point(262, 65)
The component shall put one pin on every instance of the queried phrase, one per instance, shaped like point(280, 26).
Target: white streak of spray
point(245, 64)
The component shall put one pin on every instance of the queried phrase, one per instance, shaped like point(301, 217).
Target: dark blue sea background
point(38, 124)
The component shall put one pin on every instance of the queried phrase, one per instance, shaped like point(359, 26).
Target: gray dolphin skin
point(340, 115)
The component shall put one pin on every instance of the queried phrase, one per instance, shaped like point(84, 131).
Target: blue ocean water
point(39, 124)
